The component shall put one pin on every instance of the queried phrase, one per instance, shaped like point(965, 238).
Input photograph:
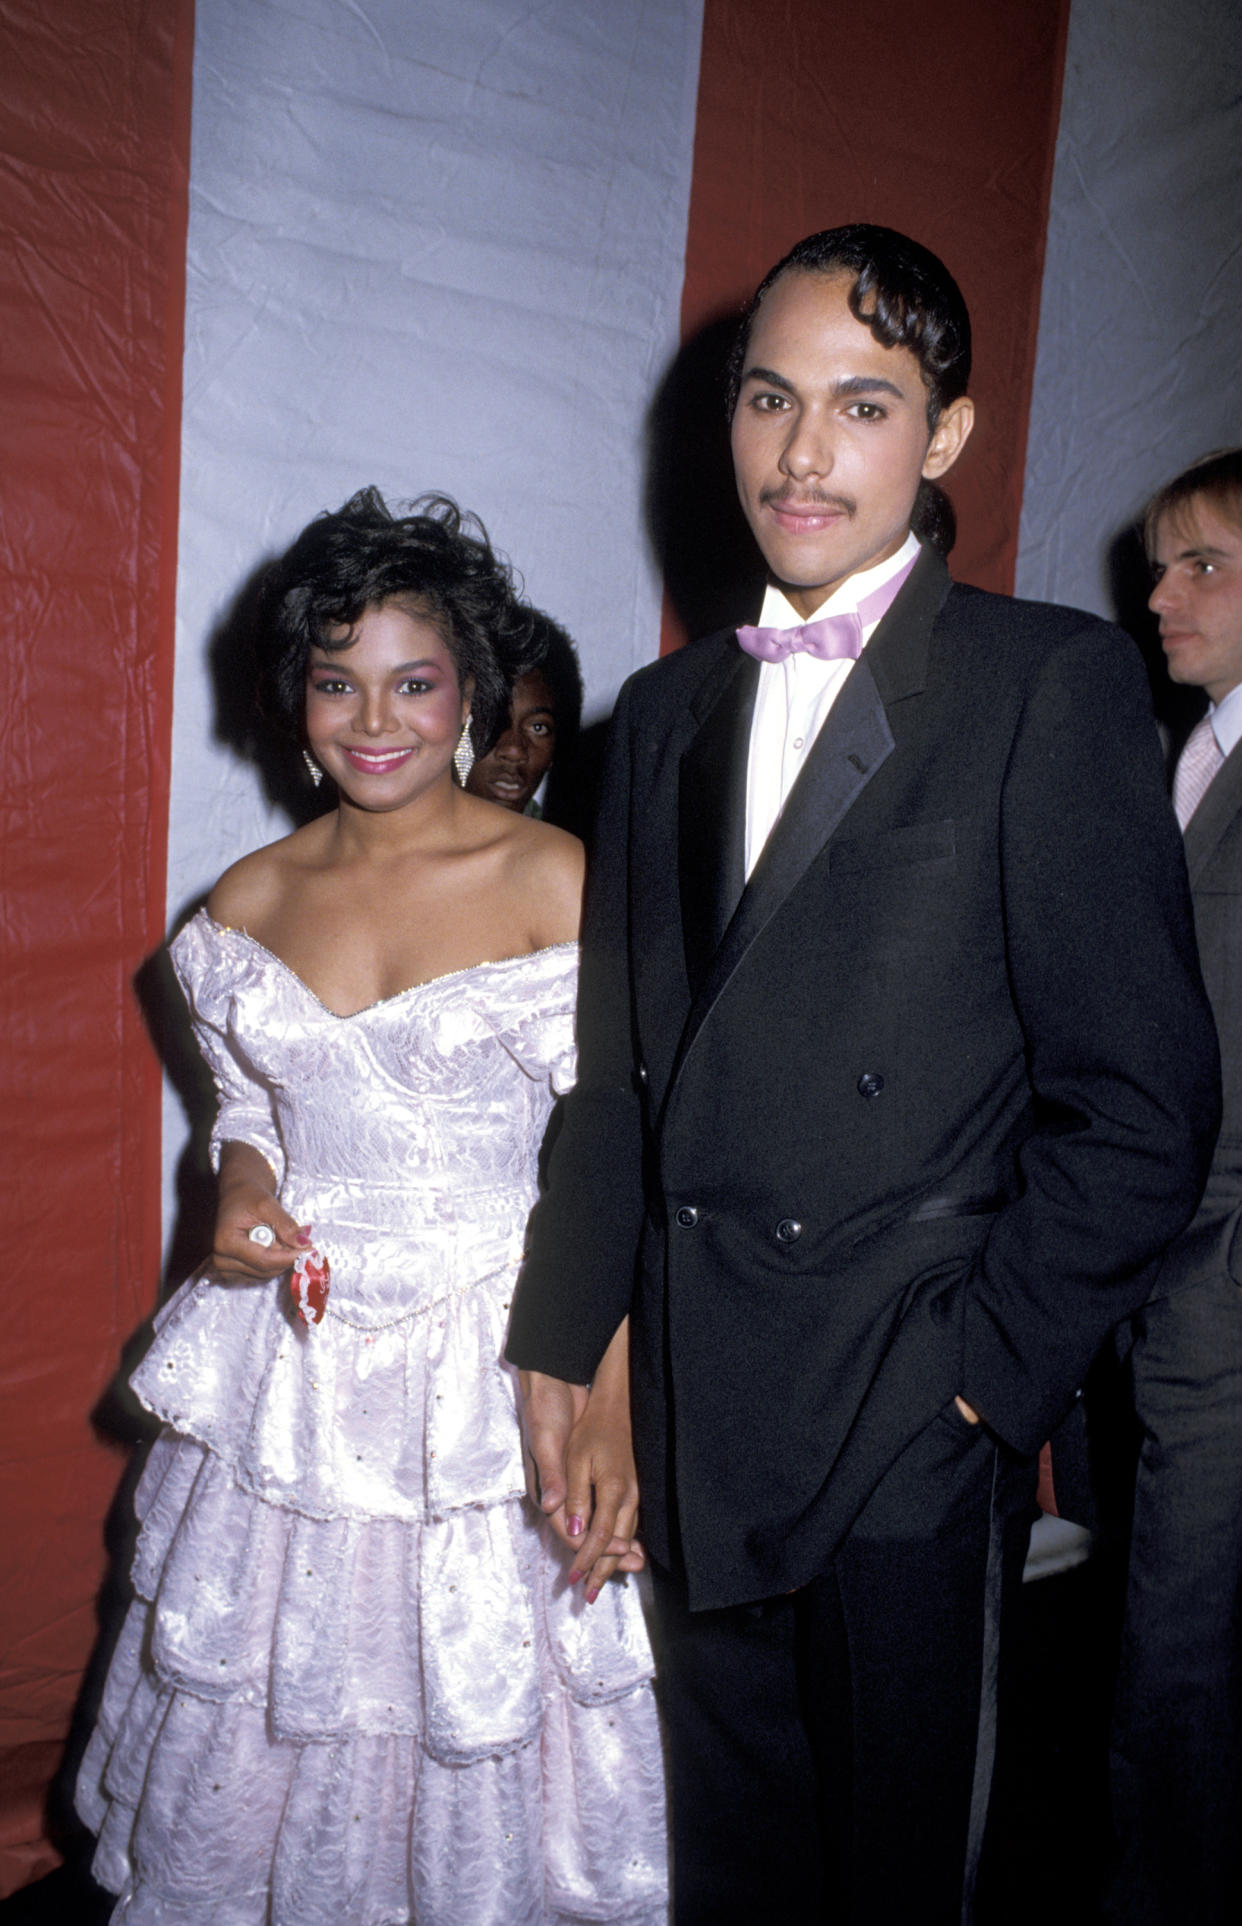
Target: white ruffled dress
point(354, 1688)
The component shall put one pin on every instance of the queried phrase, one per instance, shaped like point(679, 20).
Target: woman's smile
point(382, 702)
point(377, 761)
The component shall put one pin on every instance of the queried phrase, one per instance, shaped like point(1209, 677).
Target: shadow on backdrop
point(240, 727)
point(713, 572)
point(574, 781)
point(239, 722)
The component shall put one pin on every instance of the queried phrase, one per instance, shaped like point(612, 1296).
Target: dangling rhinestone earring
point(463, 755)
point(316, 773)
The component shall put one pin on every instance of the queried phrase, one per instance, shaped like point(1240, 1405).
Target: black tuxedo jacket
point(912, 1112)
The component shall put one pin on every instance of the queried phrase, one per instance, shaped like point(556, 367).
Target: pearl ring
point(263, 1234)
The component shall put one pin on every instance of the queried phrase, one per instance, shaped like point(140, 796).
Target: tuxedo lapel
point(1212, 818)
point(711, 813)
point(852, 745)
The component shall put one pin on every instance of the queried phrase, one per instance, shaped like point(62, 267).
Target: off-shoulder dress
point(354, 1687)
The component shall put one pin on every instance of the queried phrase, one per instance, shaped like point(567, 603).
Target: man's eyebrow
point(770, 379)
point(1201, 551)
point(868, 385)
point(848, 385)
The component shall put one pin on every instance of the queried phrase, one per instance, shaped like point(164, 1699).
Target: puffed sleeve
point(537, 1025)
point(206, 971)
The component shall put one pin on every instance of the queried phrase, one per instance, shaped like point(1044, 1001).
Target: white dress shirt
point(794, 696)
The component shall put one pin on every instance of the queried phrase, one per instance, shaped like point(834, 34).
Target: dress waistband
point(326, 1197)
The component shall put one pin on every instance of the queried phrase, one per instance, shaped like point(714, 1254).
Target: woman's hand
point(580, 1464)
point(248, 1198)
point(600, 1515)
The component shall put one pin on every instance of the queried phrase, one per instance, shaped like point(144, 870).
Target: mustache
point(787, 496)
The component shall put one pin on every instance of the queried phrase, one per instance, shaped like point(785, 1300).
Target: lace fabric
point(354, 1686)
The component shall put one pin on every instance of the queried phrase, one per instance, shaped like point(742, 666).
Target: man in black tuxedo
point(1177, 1741)
point(896, 1073)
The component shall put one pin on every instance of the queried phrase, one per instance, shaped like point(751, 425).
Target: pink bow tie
point(831, 638)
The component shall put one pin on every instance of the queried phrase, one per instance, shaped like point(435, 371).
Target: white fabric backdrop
point(432, 244)
point(1138, 369)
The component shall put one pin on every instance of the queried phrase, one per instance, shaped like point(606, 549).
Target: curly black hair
point(902, 291)
point(433, 556)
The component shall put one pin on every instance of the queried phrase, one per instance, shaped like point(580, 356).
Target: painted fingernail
point(592, 1596)
point(574, 1577)
point(304, 1233)
point(574, 1526)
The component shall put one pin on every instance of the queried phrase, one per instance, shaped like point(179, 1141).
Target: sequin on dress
point(354, 1688)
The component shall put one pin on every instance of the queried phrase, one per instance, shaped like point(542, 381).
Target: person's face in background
point(1197, 561)
point(511, 772)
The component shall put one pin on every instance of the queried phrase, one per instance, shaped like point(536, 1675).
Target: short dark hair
point(433, 556)
point(554, 656)
point(903, 292)
point(1216, 477)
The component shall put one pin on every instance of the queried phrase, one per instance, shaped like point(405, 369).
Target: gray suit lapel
point(1215, 813)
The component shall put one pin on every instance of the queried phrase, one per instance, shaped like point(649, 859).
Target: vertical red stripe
point(94, 129)
point(940, 122)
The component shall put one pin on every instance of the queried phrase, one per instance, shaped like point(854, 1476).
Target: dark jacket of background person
point(1177, 1741)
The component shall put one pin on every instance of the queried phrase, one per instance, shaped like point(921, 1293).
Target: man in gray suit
point(1177, 1742)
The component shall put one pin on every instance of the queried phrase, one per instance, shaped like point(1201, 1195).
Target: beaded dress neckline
point(424, 983)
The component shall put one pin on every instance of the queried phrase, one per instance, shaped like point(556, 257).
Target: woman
point(355, 1687)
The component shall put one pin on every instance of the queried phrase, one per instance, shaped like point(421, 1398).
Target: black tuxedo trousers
point(830, 1751)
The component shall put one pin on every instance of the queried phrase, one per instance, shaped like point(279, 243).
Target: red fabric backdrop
point(94, 133)
point(939, 121)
